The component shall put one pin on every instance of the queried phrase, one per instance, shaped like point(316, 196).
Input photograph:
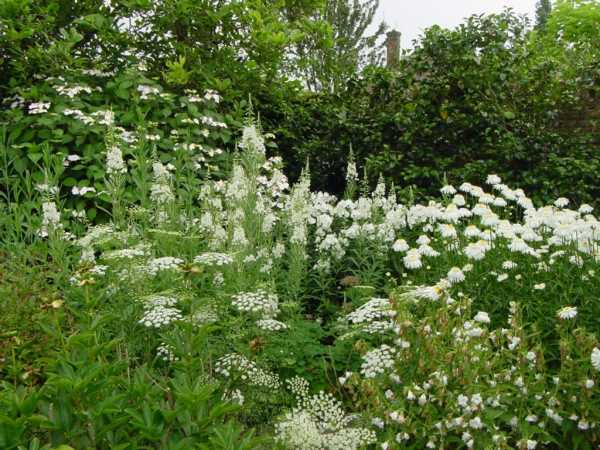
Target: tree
point(329, 63)
point(542, 13)
point(237, 45)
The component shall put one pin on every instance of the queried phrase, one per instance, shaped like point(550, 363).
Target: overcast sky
point(411, 17)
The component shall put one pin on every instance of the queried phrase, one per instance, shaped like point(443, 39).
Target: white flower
point(163, 263)
point(271, 325)
point(567, 313)
point(447, 230)
point(319, 422)
point(376, 309)
point(147, 92)
point(539, 287)
point(377, 361)
point(561, 202)
point(247, 370)
point(378, 422)
point(114, 161)
point(531, 444)
point(39, 108)
point(252, 141)
point(477, 250)
point(50, 218)
point(455, 275)
point(159, 316)
point(260, 302)
point(595, 358)
point(472, 231)
point(423, 240)
point(351, 172)
point(476, 423)
point(459, 200)
point(448, 190)
point(213, 259)
point(75, 190)
point(482, 317)
point(493, 179)
point(412, 260)
point(400, 245)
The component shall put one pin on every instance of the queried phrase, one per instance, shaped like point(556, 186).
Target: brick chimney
point(392, 44)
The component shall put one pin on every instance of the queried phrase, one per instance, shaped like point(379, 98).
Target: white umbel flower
point(377, 361)
point(260, 302)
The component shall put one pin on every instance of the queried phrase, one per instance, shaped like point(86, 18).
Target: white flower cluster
point(50, 219)
point(39, 107)
point(205, 315)
point(234, 365)
point(147, 92)
point(157, 265)
point(252, 141)
point(160, 189)
point(114, 161)
point(260, 302)
point(377, 361)
point(213, 259)
point(81, 191)
point(72, 90)
point(235, 396)
point(126, 253)
point(166, 353)
point(212, 95)
point(271, 325)
point(158, 315)
point(374, 309)
point(97, 235)
point(210, 122)
point(374, 317)
point(320, 422)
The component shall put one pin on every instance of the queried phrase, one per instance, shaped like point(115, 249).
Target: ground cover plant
point(239, 311)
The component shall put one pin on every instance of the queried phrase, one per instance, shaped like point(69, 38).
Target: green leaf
point(35, 157)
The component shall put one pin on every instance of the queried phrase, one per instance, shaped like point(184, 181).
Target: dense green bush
point(69, 117)
point(485, 97)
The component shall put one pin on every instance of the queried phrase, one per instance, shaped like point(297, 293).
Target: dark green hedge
point(480, 99)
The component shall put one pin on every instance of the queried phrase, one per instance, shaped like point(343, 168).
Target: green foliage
point(208, 315)
point(185, 129)
point(575, 21)
point(543, 8)
point(328, 66)
point(487, 96)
